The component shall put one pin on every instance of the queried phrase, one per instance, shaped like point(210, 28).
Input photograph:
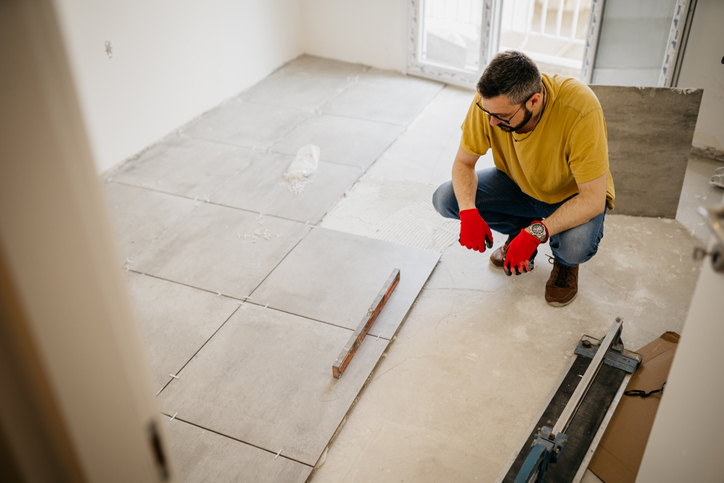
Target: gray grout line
point(280, 262)
point(281, 455)
point(201, 202)
point(211, 292)
point(367, 119)
point(215, 141)
point(366, 170)
point(199, 350)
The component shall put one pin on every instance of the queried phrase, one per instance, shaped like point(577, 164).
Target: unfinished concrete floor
point(479, 351)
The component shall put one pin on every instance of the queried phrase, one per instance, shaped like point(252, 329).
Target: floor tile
point(394, 211)
point(465, 270)
point(221, 249)
point(385, 97)
point(323, 67)
point(141, 215)
point(299, 90)
point(266, 379)
point(201, 455)
point(424, 153)
point(334, 277)
point(246, 124)
point(175, 321)
point(343, 140)
point(261, 187)
point(185, 166)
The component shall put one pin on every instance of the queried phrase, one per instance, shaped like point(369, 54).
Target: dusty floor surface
point(479, 351)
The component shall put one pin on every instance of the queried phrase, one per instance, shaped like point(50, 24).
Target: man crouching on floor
point(551, 179)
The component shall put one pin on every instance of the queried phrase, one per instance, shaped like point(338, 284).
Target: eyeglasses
point(504, 121)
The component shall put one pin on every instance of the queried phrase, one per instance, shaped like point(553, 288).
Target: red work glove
point(474, 232)
point(520, 252)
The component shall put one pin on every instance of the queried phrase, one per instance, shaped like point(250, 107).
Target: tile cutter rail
point(581, 404)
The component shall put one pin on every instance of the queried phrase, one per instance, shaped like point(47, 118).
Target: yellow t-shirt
point(567, 147)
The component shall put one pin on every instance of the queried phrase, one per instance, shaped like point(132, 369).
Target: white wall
point(64, 304)
point(703, 68)
point(172, 60)
point(685, 441)
point(372, 32)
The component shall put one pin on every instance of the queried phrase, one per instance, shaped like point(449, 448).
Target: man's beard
point(528, 115)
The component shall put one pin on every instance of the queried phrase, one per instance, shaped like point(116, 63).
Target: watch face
point(538, 230)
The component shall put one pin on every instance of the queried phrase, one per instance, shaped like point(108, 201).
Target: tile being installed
point(246, 124)
point(141, 215)
point(185, 166)
point(394, 211)
point(300, 90)
point(221, 249)
point(334, 277)
point(344, 140)
point(202, 455)
point(261, 187)
point(266, 379)
point(385, 97)
point(175, 321)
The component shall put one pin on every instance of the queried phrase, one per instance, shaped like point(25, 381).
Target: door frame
point(489, 36)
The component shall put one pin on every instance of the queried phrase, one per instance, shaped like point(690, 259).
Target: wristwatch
point(539, 230)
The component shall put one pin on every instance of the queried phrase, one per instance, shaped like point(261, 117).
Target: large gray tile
point(215, 248)
point(323, 67)
point(300, 90)
point(266, 379)
point(175, 321)
point(344, 140)
point(202, 455)
point(334, 277)
point(141, 215)
point(185, 166)
point(261, 187)
point(394, 211)
point(246, 124)
point(650, 130)
point(384, 96)
point(425, 151)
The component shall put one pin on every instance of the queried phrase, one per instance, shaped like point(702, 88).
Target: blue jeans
point(506, 209)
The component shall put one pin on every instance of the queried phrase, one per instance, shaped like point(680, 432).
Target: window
point(452, 40)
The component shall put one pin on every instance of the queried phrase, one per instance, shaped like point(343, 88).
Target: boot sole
point(562, 304)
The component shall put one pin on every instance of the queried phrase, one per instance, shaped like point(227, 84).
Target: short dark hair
point(511, 74)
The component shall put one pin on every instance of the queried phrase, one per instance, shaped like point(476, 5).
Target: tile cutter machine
point(581, 405)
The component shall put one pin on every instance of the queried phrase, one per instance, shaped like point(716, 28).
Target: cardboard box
point(618, 456)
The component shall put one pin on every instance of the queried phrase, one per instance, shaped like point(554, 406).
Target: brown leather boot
point(562, 286)
point(497, 257)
